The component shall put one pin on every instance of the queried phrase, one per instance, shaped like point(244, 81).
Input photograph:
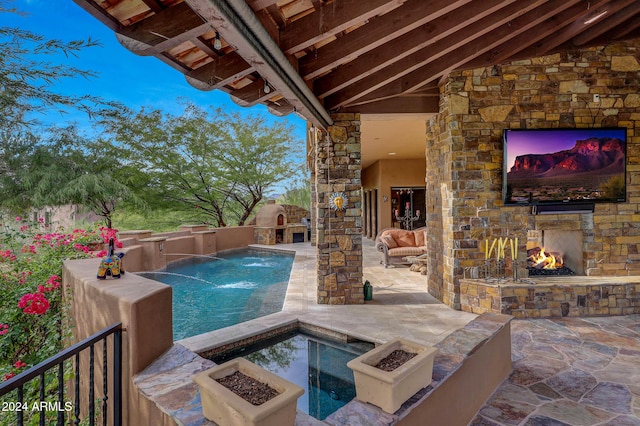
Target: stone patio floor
point(573, 371)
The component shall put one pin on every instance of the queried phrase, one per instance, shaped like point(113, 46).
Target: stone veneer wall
point(339, 234)
point(465, 147)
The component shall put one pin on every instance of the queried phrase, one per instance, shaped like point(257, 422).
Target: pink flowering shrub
point(32, 314)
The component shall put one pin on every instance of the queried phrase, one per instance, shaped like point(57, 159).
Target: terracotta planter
point(390, 389)
point(224, 407)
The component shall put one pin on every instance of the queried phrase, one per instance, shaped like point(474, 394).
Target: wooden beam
point(455, 49)
point(222, 71)
point(453, 53)
point(406, 104)
point(153, 5)
point(575, 28)
point(378, 32)
point(280, 108)
point(163, 26)
point(256, 5)
point(508, 50)
point(99, 13)
point(330, 20)
point(609, 22)
point(623, 32)
point(410, 43)
point(252, 94)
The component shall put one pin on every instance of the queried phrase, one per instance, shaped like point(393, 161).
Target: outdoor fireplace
point(273, 226)
point(554, 253)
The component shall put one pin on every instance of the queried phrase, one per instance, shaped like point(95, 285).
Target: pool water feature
point(318, 365)
point(209, 294)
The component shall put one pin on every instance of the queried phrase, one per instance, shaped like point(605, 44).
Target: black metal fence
point(67, 411)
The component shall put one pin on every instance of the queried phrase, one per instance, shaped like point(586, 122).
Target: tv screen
point(564, 166)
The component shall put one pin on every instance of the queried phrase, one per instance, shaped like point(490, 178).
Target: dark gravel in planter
point(394, 360)
point(248, 388)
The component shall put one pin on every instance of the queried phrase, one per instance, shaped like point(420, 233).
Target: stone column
point(314, 206)
point(339, 233)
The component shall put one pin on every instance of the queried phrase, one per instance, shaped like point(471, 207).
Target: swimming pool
point(316, 364)
point(211, 293)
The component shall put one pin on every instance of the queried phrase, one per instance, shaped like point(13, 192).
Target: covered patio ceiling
point(372, 57)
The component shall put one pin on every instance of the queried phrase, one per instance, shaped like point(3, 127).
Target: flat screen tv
point(551, 166)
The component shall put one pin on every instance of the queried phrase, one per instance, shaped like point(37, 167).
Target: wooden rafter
point(224, 70)
point(609, 22)
point(252, 94)
point(577, 26)
point(330, 20)
point(453, 51)
point(163, 26)
point(408, 44)
point(462, 52)
point(510, 49)
point(379, 32)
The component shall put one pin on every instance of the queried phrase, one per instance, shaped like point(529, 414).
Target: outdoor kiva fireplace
point(273, 226)
point(554, 252)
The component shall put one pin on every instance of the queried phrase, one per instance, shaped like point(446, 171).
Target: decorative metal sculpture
point(111, 264)
point(338, 201)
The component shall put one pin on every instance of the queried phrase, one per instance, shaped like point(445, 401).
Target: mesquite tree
point(217, 164)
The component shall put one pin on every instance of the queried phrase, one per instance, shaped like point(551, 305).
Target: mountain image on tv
point(592, 170)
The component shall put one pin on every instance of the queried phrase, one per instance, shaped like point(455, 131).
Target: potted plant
point(390, 389)
point(223, 406)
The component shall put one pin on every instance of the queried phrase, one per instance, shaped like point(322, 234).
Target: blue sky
point(133, 80)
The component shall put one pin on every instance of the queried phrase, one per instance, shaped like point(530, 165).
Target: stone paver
point(581, 372)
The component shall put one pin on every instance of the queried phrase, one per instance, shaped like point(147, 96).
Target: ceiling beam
point(252, 94)
point(406, 104)
point(623, 32)
point(609, 22)
point(163, 26)
point(450, 59)
point(408, 44)
point(256, 5)
point(575, 28)
point(508, 50)
point(222, 71)
point(329, 20)
point(455, 49)
point(378, 32)
point(99, 13)
point(153, 5)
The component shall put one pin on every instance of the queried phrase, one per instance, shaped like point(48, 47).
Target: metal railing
point(18, 382)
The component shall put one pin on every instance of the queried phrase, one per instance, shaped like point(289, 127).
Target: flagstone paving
point(570, 371)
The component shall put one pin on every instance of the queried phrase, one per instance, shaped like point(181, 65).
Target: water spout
point(195, 255)
point(190, 277)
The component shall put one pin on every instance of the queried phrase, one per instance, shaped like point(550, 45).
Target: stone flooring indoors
point(570, 371)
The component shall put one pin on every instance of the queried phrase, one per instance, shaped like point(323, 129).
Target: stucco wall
point(142, 306)
point(385, 174)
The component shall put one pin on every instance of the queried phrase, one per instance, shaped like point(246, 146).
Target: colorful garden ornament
point(111, 264)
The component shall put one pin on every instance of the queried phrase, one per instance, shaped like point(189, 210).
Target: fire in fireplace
point(541, 261)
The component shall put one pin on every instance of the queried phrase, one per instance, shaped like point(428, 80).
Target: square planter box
point(222, 406)
point(390, 389)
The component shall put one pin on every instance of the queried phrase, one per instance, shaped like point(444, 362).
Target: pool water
point(211, 293)
point(317, 365)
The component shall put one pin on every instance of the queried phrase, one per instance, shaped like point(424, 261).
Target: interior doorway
point(407, 207)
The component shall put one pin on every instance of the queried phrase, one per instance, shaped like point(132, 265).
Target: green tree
point(28, 76)
point(216, 164)
point(63, 167)
point(298, 193)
